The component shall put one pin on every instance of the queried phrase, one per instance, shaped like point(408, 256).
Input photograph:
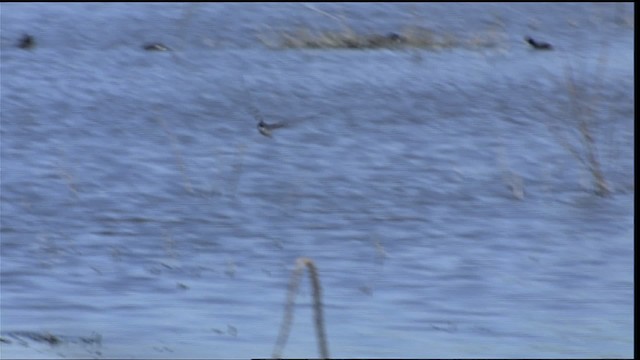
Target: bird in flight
point(264, 128)
point(155, 47)
point(538, 45)
point(27, 42)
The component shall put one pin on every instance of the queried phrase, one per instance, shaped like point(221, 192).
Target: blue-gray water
point(143, 215)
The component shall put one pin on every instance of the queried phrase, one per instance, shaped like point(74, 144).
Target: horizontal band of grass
point(414, 37)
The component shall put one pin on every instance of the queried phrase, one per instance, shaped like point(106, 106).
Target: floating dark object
point(155, 47)
point(27, 42)
point(537, 44)
point(266, 129)
point(395, 37)
point(390, 39)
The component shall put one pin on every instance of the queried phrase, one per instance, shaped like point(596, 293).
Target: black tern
point(537, 44)
point(26, 42)
point(155, 47)
point(266, 129)
point(263, 127)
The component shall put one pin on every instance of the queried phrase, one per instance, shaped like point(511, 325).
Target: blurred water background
point(143, 215)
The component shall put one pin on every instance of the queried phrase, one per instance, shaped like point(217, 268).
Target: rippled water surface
point(445, 196)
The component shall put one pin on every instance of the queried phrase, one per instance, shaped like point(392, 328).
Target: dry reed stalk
point(177, 155)
point(294, 284)
point(581, 111)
